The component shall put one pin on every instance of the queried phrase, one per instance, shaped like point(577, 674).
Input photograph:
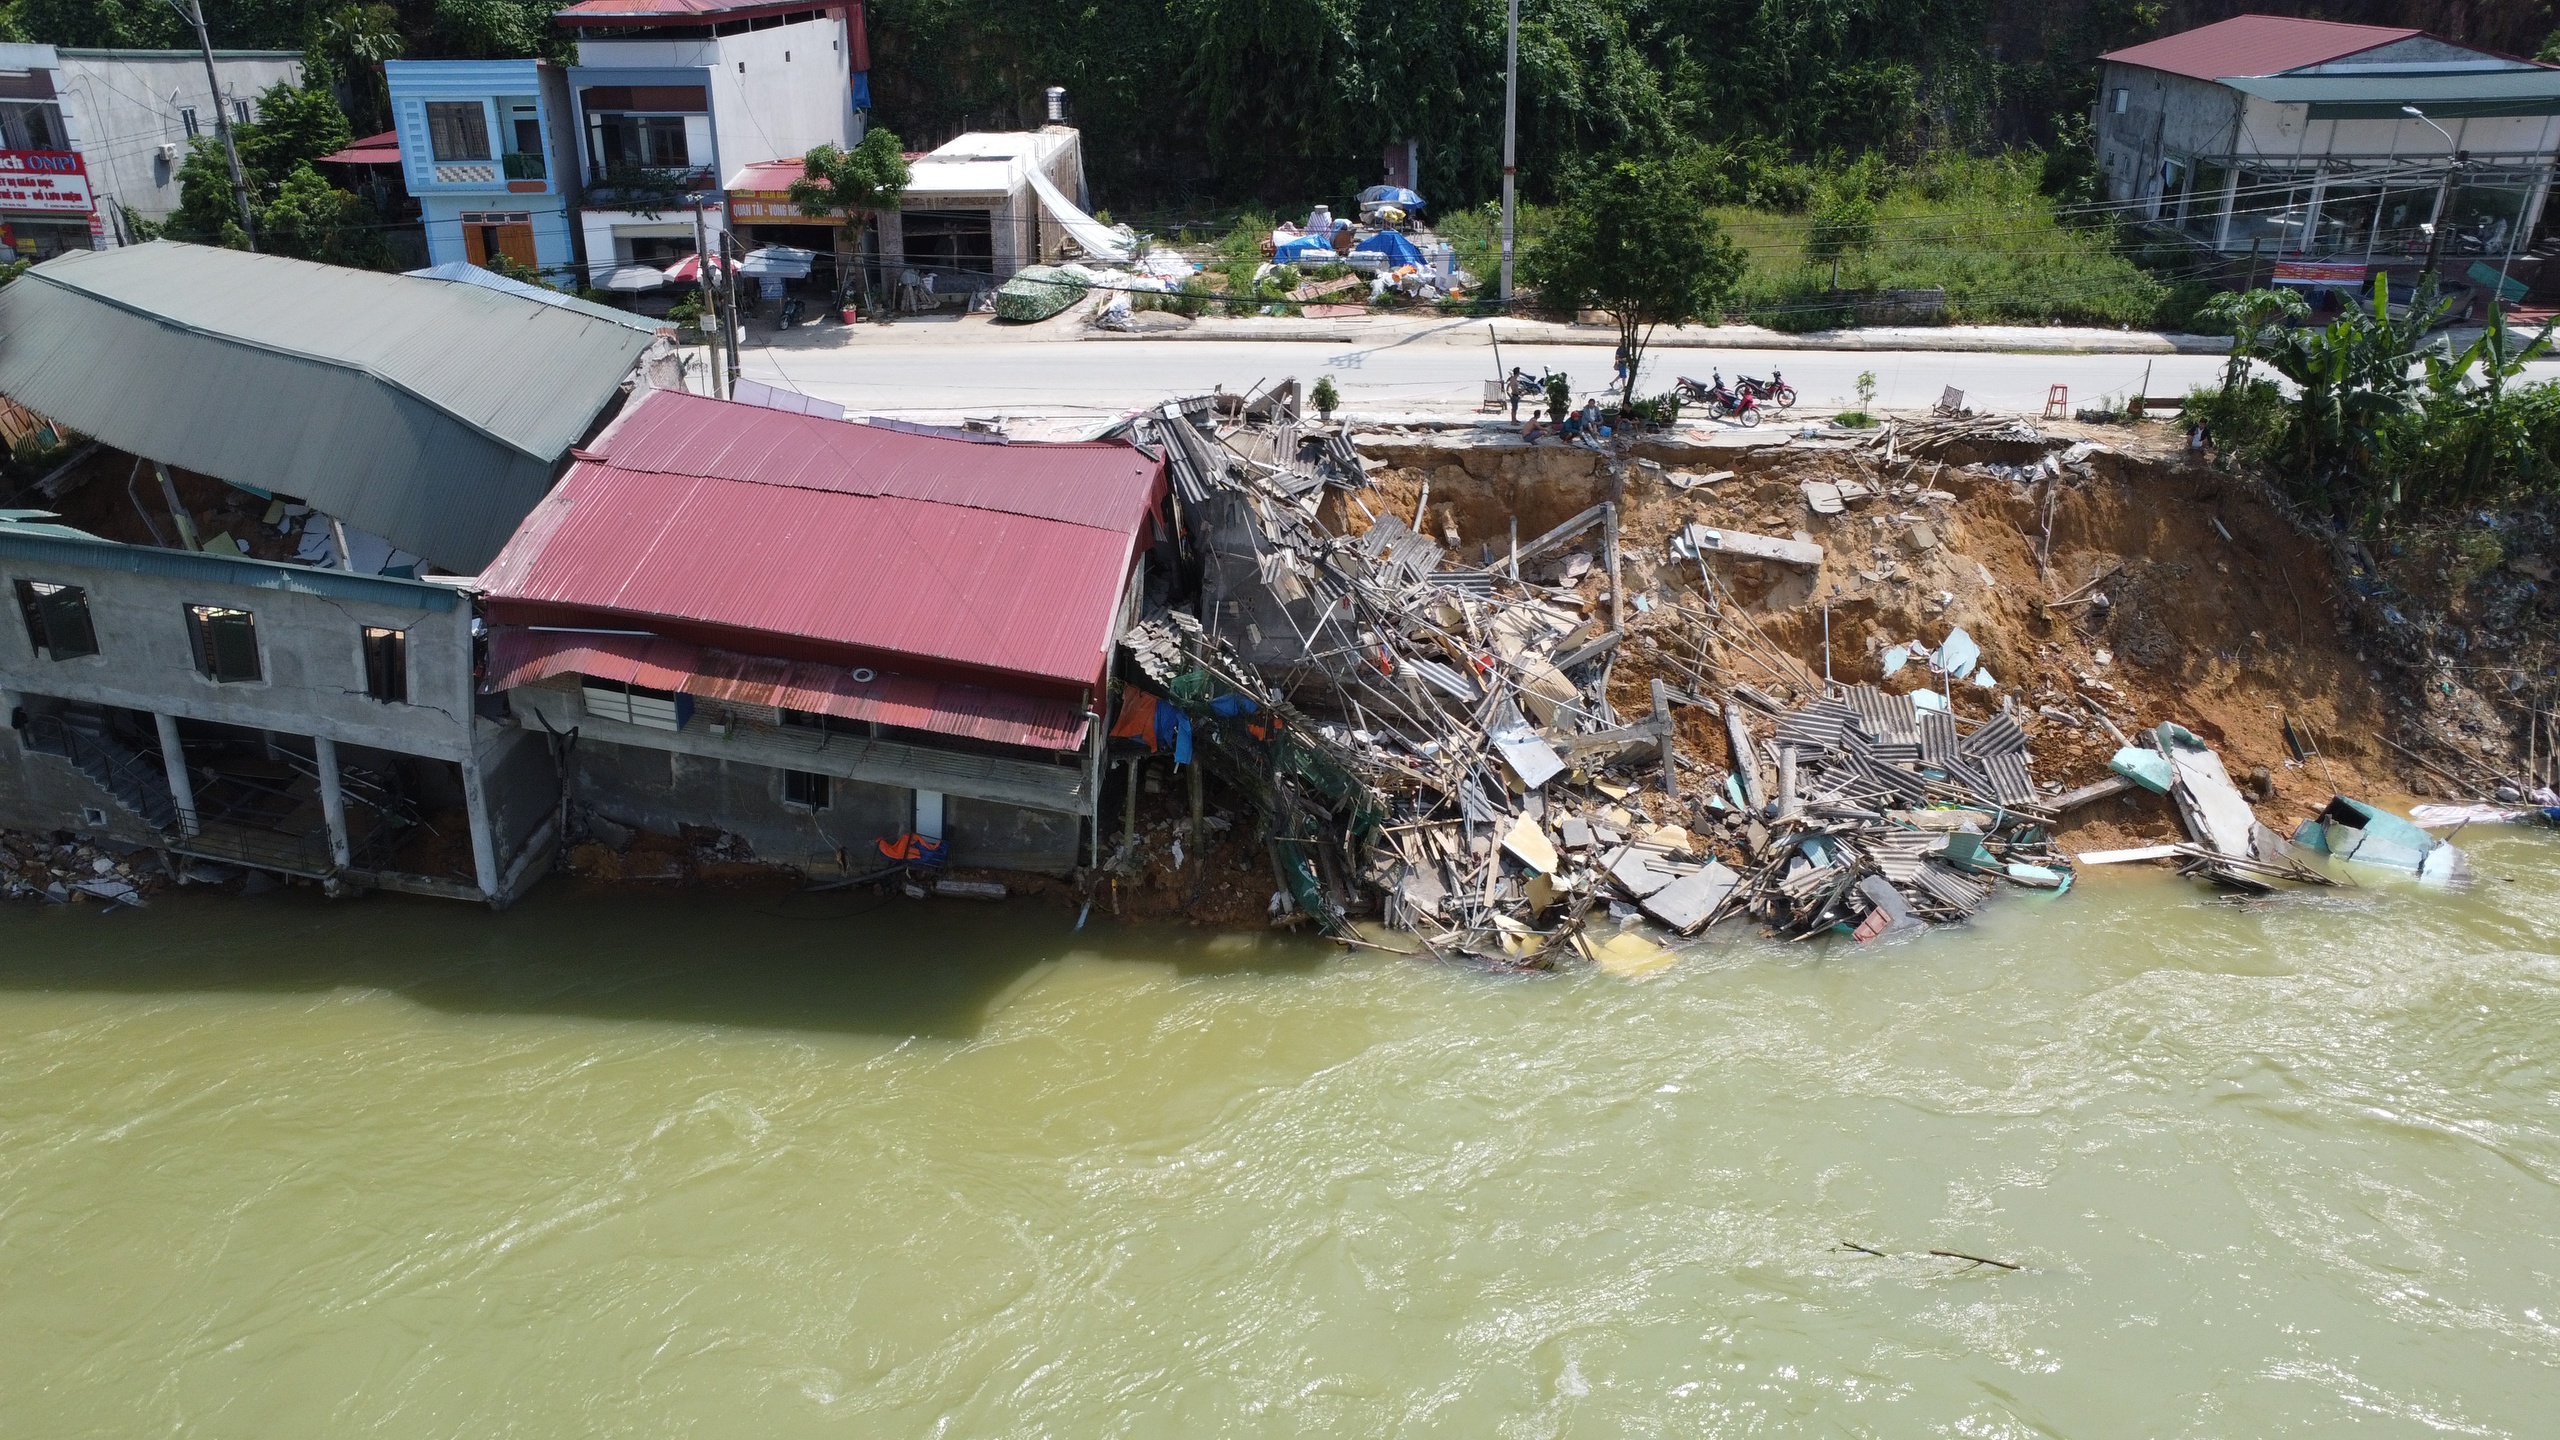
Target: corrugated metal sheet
point(1103, 484)
point(29, 547)
point(519, 657)
point(2443, 97)
point(2255, 45)
point(821, 555)
point(430, 413)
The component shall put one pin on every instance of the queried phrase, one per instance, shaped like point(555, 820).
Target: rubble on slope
point(1433, 741)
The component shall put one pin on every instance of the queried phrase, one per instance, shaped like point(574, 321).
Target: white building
point(970, 209)
point(670, 98)
point(2295, 138)
point(91, 138)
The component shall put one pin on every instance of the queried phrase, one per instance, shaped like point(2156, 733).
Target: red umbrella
point(688, 270)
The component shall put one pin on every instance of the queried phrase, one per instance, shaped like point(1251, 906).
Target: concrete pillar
point(484, 839)
point(333, 800)
point(182, 787)
point(929, 814)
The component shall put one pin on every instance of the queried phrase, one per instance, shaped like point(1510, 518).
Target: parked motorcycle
point(1737, 407)
point(1775, 389)
point(792, 310)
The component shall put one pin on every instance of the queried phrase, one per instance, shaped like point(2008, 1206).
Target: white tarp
point(1099, 240)
point(775, 397)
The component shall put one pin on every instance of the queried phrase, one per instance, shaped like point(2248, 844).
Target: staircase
point(88, 740)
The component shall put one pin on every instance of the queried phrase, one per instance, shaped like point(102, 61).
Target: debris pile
point(1429, 737)
point(65, 871)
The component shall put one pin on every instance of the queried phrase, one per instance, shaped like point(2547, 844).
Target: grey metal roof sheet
point(463, 272)
point(432, 414)
point(2442, 95)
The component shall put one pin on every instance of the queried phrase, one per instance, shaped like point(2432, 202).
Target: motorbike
point(1775, 389)
point(792, 310)
point(1739, 407)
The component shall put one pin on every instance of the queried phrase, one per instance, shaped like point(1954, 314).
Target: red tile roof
point(995, 564)
point(2255, 45)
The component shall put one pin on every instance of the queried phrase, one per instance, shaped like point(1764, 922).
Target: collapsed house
point(225, 646)
point(812, 636)
point(1434, 739)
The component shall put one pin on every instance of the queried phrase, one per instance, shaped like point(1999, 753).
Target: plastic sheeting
point(1099, 240)
point(1397, 249)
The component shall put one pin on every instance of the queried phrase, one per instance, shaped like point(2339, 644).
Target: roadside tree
point(1633, 240)
point(858, 183)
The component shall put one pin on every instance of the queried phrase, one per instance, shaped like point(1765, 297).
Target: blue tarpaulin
point(1306, 249)
point(1397, 249)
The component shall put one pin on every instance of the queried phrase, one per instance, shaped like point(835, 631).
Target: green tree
point(864, 180)
point(350, 43)
point(298, 211)
point(1632, 237)
point(310, 219)
point(2253, 319)
point(296, 125)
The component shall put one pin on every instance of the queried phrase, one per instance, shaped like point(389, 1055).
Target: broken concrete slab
point(1686, 903)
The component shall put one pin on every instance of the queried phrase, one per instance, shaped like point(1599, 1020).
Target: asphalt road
point(940, 377)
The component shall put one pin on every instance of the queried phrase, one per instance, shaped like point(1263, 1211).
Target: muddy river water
point(824, 1166)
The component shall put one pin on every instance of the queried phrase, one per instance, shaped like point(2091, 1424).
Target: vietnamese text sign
point(44, 180)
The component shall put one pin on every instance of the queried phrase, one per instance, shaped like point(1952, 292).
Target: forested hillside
point(1185, 102)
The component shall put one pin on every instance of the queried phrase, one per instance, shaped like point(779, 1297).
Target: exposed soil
point(2218, 614)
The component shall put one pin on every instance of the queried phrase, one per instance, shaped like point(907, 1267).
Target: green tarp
point(1037, 292)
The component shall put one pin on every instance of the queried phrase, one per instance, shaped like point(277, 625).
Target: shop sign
point(772, 207)
point(2342, 275)
point(46, 181)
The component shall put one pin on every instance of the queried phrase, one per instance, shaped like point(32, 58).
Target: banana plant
point(2353, 391)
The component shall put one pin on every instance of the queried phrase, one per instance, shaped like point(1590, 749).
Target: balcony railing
point(647, 188)
point(525, 165)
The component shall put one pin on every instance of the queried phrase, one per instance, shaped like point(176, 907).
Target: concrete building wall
point(311, 658)
point(129, 105)
point(40, 793)
point(774, 93)
point(663, 791)
point(2163, 116)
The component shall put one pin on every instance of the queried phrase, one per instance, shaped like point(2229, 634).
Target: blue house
point(490, 151)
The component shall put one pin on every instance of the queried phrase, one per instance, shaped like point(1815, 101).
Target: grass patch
point(1981, 229)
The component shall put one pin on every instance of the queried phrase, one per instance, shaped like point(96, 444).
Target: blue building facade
point(490, 150)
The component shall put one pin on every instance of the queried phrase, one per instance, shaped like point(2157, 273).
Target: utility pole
point(193, 13)
point(710, 304)
point(729, 273)
point(1510, 138)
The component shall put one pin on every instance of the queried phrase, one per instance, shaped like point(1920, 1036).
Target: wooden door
point(515, 241)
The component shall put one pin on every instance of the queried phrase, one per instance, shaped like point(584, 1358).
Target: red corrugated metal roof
point(611, 12)
point(1008, 560)
point(520, 657)
point(2255, 45)
point(1104, 485)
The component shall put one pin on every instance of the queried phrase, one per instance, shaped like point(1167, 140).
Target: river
point(829, 1166)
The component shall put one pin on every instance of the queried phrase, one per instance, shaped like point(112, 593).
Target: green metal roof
point(2444, 95)
point(434, 415)
point(60, 545)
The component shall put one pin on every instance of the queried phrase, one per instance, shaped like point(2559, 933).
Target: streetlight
point(1510, 136)
point(2444, 192)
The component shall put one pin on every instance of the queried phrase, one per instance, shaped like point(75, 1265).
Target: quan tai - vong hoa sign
point(47, 180)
